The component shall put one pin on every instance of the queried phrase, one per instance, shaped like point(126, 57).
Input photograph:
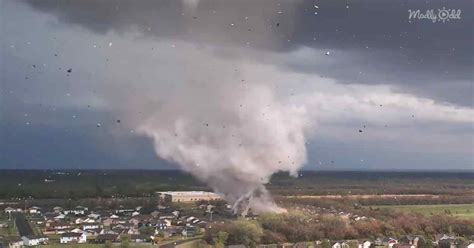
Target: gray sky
point(406, 84)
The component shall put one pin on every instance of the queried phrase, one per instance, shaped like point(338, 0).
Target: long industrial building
point(188, 196)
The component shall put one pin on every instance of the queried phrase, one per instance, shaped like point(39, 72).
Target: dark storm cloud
point(418, 57)
point(156, 44)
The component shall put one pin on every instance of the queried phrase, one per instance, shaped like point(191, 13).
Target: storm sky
point(384, 92)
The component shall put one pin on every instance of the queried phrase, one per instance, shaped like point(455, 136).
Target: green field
point(465, 211)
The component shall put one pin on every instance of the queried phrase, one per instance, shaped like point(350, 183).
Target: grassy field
point(465, 211)
point(10, 229)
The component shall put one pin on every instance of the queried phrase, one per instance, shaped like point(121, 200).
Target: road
point(178, 242)
point(22, 225)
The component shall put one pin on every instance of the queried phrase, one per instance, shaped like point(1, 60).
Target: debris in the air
point(412, 115)
point(27, 123)
point(55, 55)
point(206, 124)
point(315, 13)
point(316, 6)
point(280, 12)
point(360, 130)
point(278, 24)
point(118, 121)
point(98, 125)
point(69, 70)
point(347, 6)
point(232, 24)
point(328, 53)
point(34, 66)
point(110, 44)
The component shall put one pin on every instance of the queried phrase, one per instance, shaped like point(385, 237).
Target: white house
point(78, 221)
point(340, 245)
point(79, 210)
point(87, 226)
point(59, 217)
point(9, 210)
point(365, 244)
point(32, 240)
point(34, 210)
point(135, 213)
point(93, 216)
point(73, 237)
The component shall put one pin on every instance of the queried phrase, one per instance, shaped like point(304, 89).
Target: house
point(339, 244)
point(364, 244)
point(94, 225)
point(72, 237)
point(155, 214)
point(34, 210)
point(102, 238)
point(93, 216)
point(78, 221)
point(79, 210)
point(59, 217)
point(9, 210)
point(32, 240)
point(162, 224)
point(137, 238)
point(386, 241)
point(57, 209)
point(135, 213)
point(411, 240)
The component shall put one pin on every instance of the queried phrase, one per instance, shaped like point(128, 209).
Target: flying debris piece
point(55, 55)
point(412, 115)
point(98, 125)
point(34, 66)
point(232, 24)
point(347, 6)
point(118, 121)
point(327, 53)
point(360, 130)
point(206, 124)
point(278, 24)
point(110, 44)
point(69, 70)
point(316, 6)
